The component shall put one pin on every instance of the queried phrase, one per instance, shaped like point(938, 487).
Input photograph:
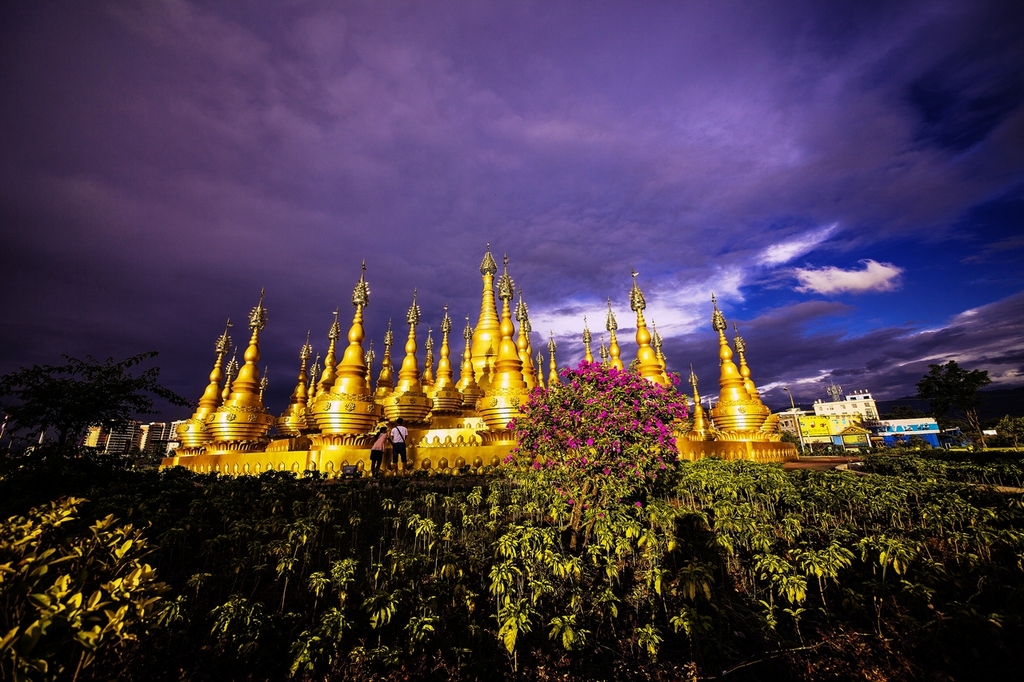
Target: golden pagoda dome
point(737, 415)
point(611, 325)
point(348, 407)
point(467, 379)
point(193, 432)
point(553, 378)
point(646, 357)
point(242, 421)
point(523, 342)
point(293, 421)
point(385, 380)
point(487, 334)
point(445, 395)
point(408, 400)
point(587, 354)
point(507, 390)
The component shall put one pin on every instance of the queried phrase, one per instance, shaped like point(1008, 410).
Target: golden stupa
point(453, 426)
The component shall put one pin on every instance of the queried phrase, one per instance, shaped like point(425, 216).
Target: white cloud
point(783, 252)
point(874, 277)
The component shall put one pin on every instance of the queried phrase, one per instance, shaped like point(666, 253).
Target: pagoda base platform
point(752, 451)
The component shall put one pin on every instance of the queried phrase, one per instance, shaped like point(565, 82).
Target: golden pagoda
point(507, 389)
point(614, 361)
point(408, 400)
point(646, 357)
point(385, 380)
point(700, 430)
point(487, 333)
point(540, 370)
point(193, 432)
point(293, 422)
point(553, 379)
point(427, 377)
point(241, 421)
point(445, 396)
point(467, 385)
point(587, 354)
point(523, 342)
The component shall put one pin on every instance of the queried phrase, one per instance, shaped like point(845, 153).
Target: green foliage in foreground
point(732, 567)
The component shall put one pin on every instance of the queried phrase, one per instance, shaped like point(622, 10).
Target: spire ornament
point(445, 395)
point(385, 380)
point(699, 432)
point(646, 357)
point(523, 342)
point(487, 334)
point(587, 354)
point(467, 380)
point(427, 378)
point(611, 325)
point(540, 370)
point(741, 350)
point(553, 379)
point(231, 372)
point(408, 400)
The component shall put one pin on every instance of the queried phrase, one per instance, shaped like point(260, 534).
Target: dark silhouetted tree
point(70, 398)
point(951, 387)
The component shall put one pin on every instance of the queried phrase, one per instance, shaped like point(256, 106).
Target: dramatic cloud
point(873, 277)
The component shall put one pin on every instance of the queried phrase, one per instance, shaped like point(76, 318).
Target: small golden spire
point(313, 385)
point(603, 352)
point(700, 428)
point(385, 380)
point(487, 333)
point(658, 344)
point(351, 371)
point(540, 371)
point(368, 358)
point(409, 374)
point(293, 421)
point(587, 354)
point(330, 374)
point(264, 382)
point(248, 380)
point(523, 342)
point(646, 357)
point(446, 396)
point(553, 379)
point(741, 350)
point(427, 378)
point(467, 380)
point(231, 373)
point(193, 432)
point(613, 342)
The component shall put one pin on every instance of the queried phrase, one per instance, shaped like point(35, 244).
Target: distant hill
point(997, 402)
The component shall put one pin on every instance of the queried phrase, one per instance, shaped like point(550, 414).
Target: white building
point(857, 404)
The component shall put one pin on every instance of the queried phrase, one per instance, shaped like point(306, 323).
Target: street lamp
point(796, 418)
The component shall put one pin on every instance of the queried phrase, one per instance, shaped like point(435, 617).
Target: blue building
point(900, 431)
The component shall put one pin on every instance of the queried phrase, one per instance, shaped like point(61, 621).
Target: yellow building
point(453, 425)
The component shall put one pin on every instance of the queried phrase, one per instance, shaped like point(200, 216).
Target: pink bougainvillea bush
point(601, 439)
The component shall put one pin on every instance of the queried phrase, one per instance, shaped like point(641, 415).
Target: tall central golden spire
point(613, 342)
point(646, 357)
point(507, 390)
point(587, 354)
point(445, 395)
point(523, 342)
point(487, 333)
point(193, 433)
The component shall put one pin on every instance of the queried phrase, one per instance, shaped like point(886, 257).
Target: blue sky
point(847, 178)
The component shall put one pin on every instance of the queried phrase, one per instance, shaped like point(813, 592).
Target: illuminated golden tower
point(408, 400)
point(523, 342)
point(467, 380)
point(646, 357)
point(330, 375)
point(507, 390)
point(242, 421)
point(741, 350)
point(737, 413)
point(193, 432)
point(445, 395)
point(587, 354)
point(427, 378)
point(368, 358)
point(348, 407)
point(553, 378)
point(613, 342)
point(699, 432)
point(231, 372)
point(487, 333)
point(293, 421)
point(385, 380)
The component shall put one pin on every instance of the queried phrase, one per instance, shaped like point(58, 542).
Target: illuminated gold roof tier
point(736, 411)
point(408, 401)
point(193, 433)
point(587, 354)
point(293, 421)
point(523, 343)
point(348, 407)
point(242, 417)
point(507, 390)
point(467, 380)
point(614, 361)
point(487, 333)
point(646, 357)
point(385, 381)
point(445, 396)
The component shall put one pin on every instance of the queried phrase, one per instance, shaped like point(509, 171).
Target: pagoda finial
point(445, 394)
point(603, 352)
point(264, 382)
point(553, 379)
point(293, 421)
point(487, 334)
point(329, 376)
point(368, 358)
point(385, 380)
point(646, 357)
point(231, 373)
point(523, 346)
point(488, 266)
point(506, 287)
point(699, 431)
point(637, 302)
point(361, 293)
point(614, 353)
point(427, 378)
point(588, 355)
point(741, 350)
point(467, 380)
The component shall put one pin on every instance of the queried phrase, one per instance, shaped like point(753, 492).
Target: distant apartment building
point(155, 438)
point(857, 404)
